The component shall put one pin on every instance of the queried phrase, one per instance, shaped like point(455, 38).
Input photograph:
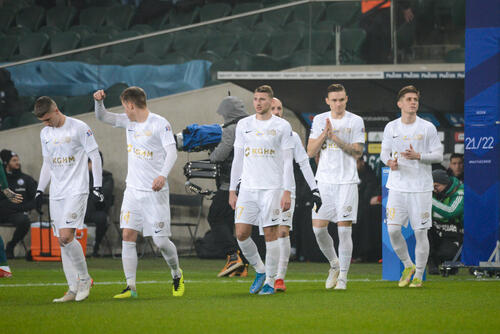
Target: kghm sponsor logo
point(140, 153)
point(259, 152)
point(63, 160)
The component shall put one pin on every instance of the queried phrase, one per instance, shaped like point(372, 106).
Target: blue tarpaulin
point(76, 78)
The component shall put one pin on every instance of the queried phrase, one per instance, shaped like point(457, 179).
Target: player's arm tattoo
point(354, 149)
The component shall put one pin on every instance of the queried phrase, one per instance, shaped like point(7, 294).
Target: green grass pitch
point(457, 304)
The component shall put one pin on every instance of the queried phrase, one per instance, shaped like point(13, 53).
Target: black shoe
point(433, 270)
point(9, 251)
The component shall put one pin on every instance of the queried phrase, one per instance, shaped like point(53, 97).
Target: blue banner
point(75, 78)
point(482, 130)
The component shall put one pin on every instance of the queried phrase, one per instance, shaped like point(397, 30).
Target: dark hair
point(407, 89)
point(457, 155)
point(335, 88)
point(136, 95)
point(43, 105)
point(265, 89)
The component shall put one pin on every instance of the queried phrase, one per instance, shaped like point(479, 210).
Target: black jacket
point(22, 184)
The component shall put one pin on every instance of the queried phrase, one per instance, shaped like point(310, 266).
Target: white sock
point(129, 261)
point(249, 249)
point(75, 254)
point(345, 250)
point(169, 252)
point(421, 252)
point(69, 270)
point(325, 243)
point(398, 243)
point(272, 258)
point(284, 256)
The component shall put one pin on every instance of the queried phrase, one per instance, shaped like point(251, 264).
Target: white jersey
point(67, 148)
point(263, 143)
point(411, 175)
point(335, 166)
point(145, 146)
point(299, 155)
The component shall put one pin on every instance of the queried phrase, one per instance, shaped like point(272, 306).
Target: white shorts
point(258, 207)
point(340, 202)
point(146, 211)
point(287, 216)
point(416, 207)
point(68, 212)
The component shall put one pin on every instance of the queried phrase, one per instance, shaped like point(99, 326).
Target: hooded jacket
point(448, 212)
point(231, 109)
point(22, 184)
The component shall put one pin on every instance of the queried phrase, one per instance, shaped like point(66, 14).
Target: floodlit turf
point(458, 304)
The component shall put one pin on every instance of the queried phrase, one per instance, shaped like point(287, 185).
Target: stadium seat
point(325, 25)
point(301, 13)
point(6, 19)
point(93, 17)
point(109, 29)
point(456, 56)
point(27, 118)
point(158, 45)
point(33, 45)
point(179, 202)
point(61, 17)
point(254, 42)
point(406, 35)
point(145, 58)
point(114, 58)
point(283, 44)
point(227, 64)
point(17, 31)
point(345, 14)
point(458, 14)
point(83, 30)
point(113, 94)
point(9, 46)
point(120, 16)
point(27, 103)
point(351, 40)
point(298, 27)
point(49, 30)
point(64, 41)
point(142, 28)
point(264, 62)
point(264, 27)
point(222, 44)
point(246, 7)
point(174, 58)
point(84, 57)
point(182, 18)
point(127, 49)
point(76, 105)
point(94, 40)
point(209, 55)
point(321, 41)
point(233, 27)
point(213, 11)
point(305, 57)
point(189, 44)
point(9, 122)
point(30, 17)
point(279, 17)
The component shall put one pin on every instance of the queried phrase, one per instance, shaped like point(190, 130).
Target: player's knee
point(64, 240)
point(129, 235)
point(283, 233)
point(242, 235)
point(394, 230)
point(161, 242)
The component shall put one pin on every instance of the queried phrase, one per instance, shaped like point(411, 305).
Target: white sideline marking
point(246, 281)
point(219, 281)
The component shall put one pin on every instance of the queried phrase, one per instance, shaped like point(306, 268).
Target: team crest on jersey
point(20, 182)
point(73, 215)
point(160, 225)
point(271, 132)
point(89, 133)
point(276, 212)
point(258, 133)
point(425, 215)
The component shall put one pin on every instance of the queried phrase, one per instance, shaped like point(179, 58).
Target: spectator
point(16, 213)
point(9, 99)
point(97, 213)
point(456, 167)
point(447, 231)
point(221, 215)
point(366, 245)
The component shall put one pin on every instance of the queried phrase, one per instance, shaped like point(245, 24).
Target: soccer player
point(302, 159)
point(338, 137)
point(67, 144)
point(409, 146)
point(145, 207)
point(263, 161)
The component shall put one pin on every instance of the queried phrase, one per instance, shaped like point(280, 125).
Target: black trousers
point(22, 223)
point(441, 249)
point(100, 220)
point(221, 220)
